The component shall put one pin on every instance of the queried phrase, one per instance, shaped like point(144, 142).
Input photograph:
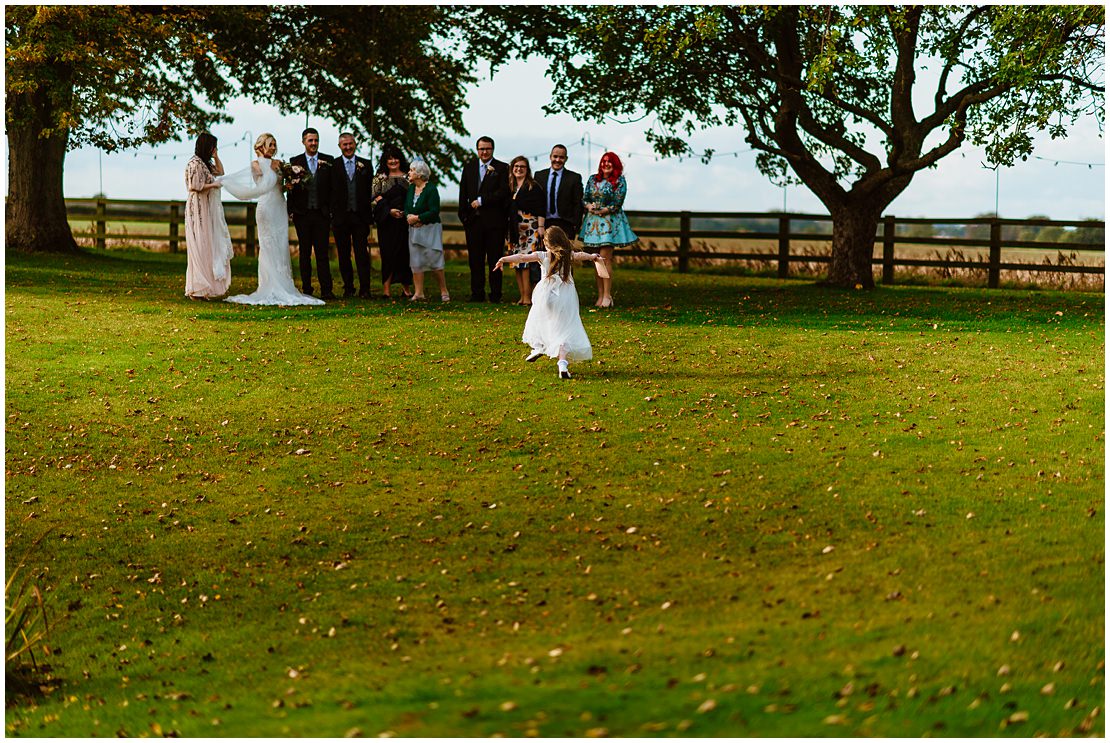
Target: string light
point(1068, 162)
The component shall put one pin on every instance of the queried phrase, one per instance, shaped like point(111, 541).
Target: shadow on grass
point(642, 296)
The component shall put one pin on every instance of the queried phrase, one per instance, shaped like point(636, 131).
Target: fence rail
point(785, 231)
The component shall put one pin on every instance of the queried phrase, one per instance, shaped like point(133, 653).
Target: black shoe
point(364, 295)
point(348, 293)
point(564, 374)
point(533, 356)
point(327, 295)
point(307, 292)
point(476, 298)
point(495, 300)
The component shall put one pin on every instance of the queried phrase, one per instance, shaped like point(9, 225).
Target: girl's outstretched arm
point(516, 258)
point(580, 256)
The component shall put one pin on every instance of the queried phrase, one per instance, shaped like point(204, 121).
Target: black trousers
point(565, 225)
point(484, 246)
point(351, 236)
point(312, 233)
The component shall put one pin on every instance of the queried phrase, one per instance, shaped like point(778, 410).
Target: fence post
point(784, 246)
point(175, 218)
point(995, 253)
point(684, 242)
point(101, 240)
point(888, 249)
point(251, 229)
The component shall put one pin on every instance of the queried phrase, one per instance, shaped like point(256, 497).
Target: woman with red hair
point(605, 225)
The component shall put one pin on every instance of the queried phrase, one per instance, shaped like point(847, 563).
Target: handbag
point(427, 237)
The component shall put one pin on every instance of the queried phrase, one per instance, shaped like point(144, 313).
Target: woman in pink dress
point(207, 240)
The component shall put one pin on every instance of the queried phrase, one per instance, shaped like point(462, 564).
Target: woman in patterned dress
point(207, 240)
point(527, 213)
point(605, 225)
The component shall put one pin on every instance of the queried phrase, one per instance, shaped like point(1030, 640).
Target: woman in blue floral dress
point(605, 225)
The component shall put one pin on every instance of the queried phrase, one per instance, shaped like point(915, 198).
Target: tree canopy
point(836, 97)
point(117, 76)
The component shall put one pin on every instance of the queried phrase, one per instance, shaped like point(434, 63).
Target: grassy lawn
point(763, 509)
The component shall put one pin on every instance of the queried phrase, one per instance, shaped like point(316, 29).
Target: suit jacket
point(340, 185)
point(569, 198)
point(494, 192)
point(297, 202)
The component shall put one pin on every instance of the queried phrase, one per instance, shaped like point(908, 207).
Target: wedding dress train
point(275, 272)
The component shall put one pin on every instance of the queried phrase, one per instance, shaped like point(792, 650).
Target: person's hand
point(413, 220)
point(396, 213)
point(474, 204)
point(497, 266)
point(256, 169)
point(275, 165)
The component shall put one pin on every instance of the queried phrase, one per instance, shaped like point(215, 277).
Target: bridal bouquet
point(293, 175)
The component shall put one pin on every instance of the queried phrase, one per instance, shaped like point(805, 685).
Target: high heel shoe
point(445, 298)
point(606, 303)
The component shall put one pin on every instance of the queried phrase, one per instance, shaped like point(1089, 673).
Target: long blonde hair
point(561, 253)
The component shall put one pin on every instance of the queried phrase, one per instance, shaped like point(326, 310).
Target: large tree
point(120, 76)
point(834, 97)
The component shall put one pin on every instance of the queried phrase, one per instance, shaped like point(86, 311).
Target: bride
point(263, 181)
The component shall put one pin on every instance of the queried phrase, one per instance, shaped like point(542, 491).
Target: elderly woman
point(207, 240)
point(425, 231)
point(387, 195)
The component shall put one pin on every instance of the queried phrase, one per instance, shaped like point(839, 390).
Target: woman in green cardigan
point(425, 231)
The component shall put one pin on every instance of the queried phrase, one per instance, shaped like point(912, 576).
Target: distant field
point(769, 247)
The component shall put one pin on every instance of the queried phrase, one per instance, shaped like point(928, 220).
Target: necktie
point(481, 173)
point(551, 192)
point(312, 164)
point(350, 169)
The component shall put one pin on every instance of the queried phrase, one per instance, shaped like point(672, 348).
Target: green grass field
point(764, 508)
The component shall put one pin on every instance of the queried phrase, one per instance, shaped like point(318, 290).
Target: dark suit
point(312, 221)
point(568, 200)
point(486, 226)
point(350, 221)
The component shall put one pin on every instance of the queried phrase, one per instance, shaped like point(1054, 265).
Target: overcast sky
point(1048, 184)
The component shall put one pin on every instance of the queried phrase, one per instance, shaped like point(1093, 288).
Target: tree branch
point(943, 83)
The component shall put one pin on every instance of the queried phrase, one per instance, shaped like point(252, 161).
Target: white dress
point(553, 320)
point(275, 273)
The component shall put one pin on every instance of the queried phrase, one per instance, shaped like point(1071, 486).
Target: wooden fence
point(781, 231)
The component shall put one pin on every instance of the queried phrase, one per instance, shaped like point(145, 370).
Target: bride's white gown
point(275, 273)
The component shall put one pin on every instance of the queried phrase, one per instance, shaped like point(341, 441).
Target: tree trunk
point(35, 212)
point(853, 244)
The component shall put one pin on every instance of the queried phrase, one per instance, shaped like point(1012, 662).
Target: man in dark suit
point(562, 190)
point(484, 211)
point(351, 213)
point(310, 207)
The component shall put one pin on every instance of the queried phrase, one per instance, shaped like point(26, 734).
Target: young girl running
point(553, 327)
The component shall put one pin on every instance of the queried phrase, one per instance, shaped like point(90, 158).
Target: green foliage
point(26, 628)
point(120, 76)
point(763, 509)
point(828, 90)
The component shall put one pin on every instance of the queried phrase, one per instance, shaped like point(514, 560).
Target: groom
point(351, 212)
point(309, 205)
